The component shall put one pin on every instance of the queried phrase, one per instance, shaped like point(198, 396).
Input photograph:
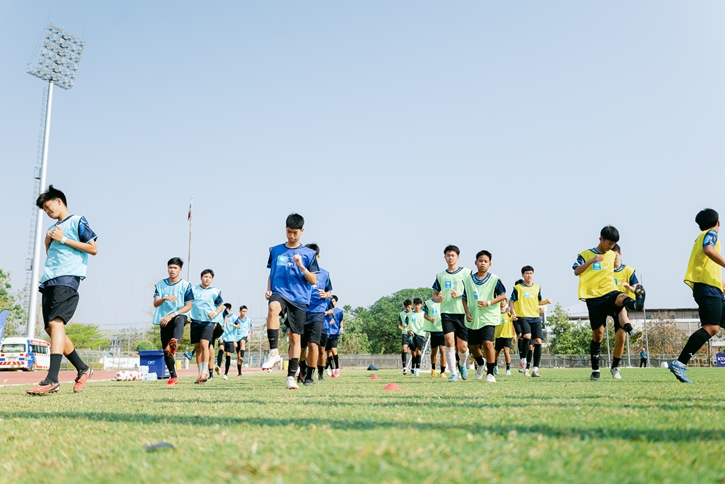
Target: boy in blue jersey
point(67, 245)
point(217, 336)
point(243, 336)
point(172, 300)
point(322, 361)
point(526, 301)
point(704, 277)
point(315, 321)
point(333, 337)
point(229, 338)
point(205, 309)
point(292, 273)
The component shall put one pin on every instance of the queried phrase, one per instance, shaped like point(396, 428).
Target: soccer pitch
point(560, 428)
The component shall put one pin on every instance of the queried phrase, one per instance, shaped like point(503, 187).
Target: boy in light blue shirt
point(229, 337)
point(244, 333)
point(67, 244)
point(205, 309)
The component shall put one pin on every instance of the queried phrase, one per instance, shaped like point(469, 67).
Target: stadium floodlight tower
point(57, 63)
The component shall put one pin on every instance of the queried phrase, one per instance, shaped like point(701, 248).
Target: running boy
point(595, 269)
point(205, 308)
point(433, 326)
point(483, 293)
point(334, 336)
point(229, 337)
point(244, 334)
point(67, 245)
point(526, 299)
point(217, 336)
point(626, 281)
point(504, 335)
point(292, 273)
point(415, 324)
point(315, 320)
point(448, 291)
point(704, 276)
point(402, 323)
point(172, 300)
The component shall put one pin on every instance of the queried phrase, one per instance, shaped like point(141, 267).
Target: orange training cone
point(392, 387)
point(374, 377)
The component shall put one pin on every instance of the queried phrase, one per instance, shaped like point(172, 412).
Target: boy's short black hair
point(314, 247)
point(207, 271)
point(176, 262)
point(335, 298)
point(705, 219)
point(417, 301)
point(610, 233)
point(526, 269)
point(520, 281)
point(242, 307)
point(617, 249)
point(450, 248)
point(484, 252)
point(51, 194)
point(295, 221)
point(407, 302)
point(228, 306)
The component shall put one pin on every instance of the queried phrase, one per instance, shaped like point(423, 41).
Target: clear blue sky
point(395, 128)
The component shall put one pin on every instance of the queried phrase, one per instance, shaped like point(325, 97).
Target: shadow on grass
point(635, 435)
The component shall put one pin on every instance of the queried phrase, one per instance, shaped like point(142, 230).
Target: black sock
point(320, 370)
point(239, 369)
point(479, 360)
point(303, 368)
point(615, 362)
point(219, 357)
point(273, 338)
point(443, 368)
point(696, 341)
point(490, 367)
point(55, 360)
point(310, 372)
point(537, 354)
point(337, 362)
point(227, 362)
point(508, 366)
point(402, 356)
point(170, 364)
point(520, 344)
point(630, 304)
point(294, 363)
point(76, 361)
point(595, 353)
point(525, 349)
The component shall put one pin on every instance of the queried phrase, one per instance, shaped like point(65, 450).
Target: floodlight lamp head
point(59, 57)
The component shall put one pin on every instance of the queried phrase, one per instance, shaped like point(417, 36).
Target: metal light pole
point(57, 63)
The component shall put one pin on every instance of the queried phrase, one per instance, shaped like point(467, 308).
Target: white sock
point(198, 366)
point(536, 368)
point(523, 361)
point(463, 358)
point(451, 360)
point(205, 368)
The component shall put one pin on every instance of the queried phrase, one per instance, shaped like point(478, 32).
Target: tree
point(86, 336)
point(570, 338)
point(380, 321)
point(11, 302)
point(664, 336)
point(355, 340)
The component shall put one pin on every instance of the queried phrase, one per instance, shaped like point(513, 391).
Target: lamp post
point(57, 64)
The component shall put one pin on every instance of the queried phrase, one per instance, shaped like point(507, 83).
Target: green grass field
point(561, 428)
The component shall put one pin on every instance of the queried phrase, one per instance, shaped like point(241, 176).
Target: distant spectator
point(643, 359)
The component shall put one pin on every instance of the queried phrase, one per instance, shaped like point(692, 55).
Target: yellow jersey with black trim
point(700, 268)
point(598, 279)
point(526, 304)
point(506, 328)
point(624, 274)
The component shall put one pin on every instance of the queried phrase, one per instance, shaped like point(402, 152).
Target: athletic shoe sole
point(43, 389)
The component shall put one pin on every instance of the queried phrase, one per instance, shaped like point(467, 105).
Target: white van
point(24, 354)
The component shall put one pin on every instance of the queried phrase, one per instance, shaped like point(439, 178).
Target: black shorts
point(405, 341)
point(59, 302)
point(332, 341)
point(201, 330)
point(173, 329)
point(502, 343)
point(417, 342)
point(517, 327)
point(296, 316)
point(323, 339)
point(437, 339)
point(533, 326)
point(476, 337)
point(455, 323)
point(229, 347)
point(711, 311)
point(601, 307)
point(239, 343)
point(218, 331)
point(313, 328)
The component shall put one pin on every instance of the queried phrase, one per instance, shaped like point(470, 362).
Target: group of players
point(463, 313)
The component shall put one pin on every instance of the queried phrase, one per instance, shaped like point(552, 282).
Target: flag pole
point(188, 259)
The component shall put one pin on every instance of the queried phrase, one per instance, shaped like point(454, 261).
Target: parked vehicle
point(24, 354)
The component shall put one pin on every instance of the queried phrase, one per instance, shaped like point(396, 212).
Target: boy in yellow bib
point(625, 278)
point(595, 269)
point(483, 293)
point(526, 301)
point(704, 276)
point(504, 335)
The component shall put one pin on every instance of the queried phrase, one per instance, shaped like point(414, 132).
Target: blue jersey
point(205, 301)
point(286, 278)
point(181, 289)
point(336, 322)
point(230, 332)
point(317, 304)
point(65, 265)
point(246, 327)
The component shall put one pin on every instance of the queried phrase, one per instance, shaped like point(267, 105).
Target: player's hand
point(482, 304)
point(439, 299)
point(170, 298)
point(549, 301)
point(514, 317)
point(57, 234)
point(267, 295)
point(455, 293)
point(410, 333)
point(322, 293)
point(298, 260)
point(211, 314)
point(626, 286)
point(165, 320)
point(596, 258)
point(469, 317)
